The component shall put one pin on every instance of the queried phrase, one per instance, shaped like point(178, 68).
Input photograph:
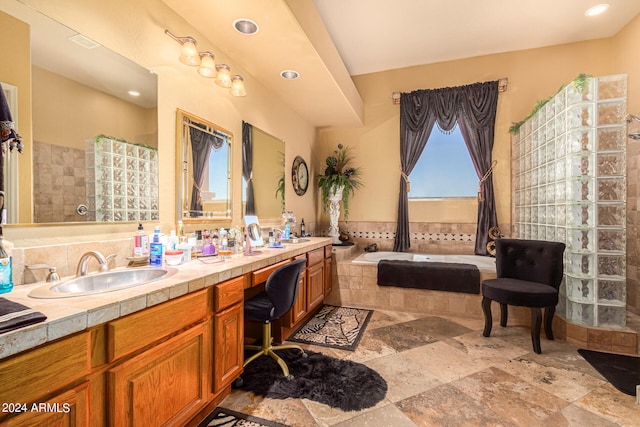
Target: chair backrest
point(532, 260)
point(282, 286)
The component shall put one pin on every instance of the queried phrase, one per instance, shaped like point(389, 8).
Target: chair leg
point(548, 320)
point(536, 322)
point(504, 314)
point(488, 321)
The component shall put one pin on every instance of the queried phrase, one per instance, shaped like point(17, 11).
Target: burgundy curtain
point(473, 108)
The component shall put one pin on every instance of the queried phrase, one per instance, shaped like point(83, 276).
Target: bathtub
point(484, 263)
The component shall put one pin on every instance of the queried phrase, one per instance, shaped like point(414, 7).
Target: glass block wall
point(570, 187)
point(122, 180)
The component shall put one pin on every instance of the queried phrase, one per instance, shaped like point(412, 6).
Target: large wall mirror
point(81, 93)
point(263, 163)
point(203, 169)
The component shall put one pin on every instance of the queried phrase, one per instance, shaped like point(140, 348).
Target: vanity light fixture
point(597, 9)
point(189, 54)
point(224, 75)
point(205, 61)
point(246, 26)
point(207, 66)
point(289, 74)
point(237, 86)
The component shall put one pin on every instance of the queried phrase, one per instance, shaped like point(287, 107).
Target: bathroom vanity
point(162, 353)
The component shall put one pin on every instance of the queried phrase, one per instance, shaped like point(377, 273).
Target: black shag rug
point(623, 372)
point(342, 384)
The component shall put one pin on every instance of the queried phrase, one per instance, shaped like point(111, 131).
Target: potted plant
point(339, 181)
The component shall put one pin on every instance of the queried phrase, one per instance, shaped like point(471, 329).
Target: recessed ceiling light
point(597, 9)
point(245, 26)
point(289, 74)
point(134, 93)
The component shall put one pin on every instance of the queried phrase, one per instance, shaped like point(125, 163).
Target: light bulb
point(224, 75)
point(237, 86)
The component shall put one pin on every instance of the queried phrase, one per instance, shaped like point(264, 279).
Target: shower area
point(570, 186)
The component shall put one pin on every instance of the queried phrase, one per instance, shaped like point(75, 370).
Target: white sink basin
point(102, 282)
point(294, 240)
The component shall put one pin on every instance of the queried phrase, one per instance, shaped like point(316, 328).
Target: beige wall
point(20, 57)
point(533, 75)
point(627, 60)
point(70, 123)
point(136, 30)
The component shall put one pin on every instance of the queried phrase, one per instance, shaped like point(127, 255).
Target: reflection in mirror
point(79, 91)
point(265, 160)
point(203, 172)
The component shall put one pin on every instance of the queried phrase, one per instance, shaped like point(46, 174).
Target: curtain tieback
point(483, 179)
point(406, 180)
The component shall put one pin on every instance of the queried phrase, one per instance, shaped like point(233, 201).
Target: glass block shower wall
point(570, 187)
point(122, 180)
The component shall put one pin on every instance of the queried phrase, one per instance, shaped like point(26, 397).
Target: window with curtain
point(445, 169)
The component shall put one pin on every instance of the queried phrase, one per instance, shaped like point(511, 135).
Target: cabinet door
point(228, 354)
point(328, 276)
point(70, 408)
point(167, 384)
point(315, 285)
point(299, 309)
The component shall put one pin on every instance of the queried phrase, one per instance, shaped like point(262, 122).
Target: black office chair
point(280, 292)
point(529, 275)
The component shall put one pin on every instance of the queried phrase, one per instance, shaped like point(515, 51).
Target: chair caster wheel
point(304, 355)
point(289, 377)
point(237, 383)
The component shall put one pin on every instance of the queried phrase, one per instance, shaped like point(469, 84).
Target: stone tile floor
point(443, 372)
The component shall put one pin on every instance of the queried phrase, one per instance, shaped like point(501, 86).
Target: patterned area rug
point(221, 417)
point(336, 327)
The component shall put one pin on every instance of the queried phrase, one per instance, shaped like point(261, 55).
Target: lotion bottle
point(155, 257)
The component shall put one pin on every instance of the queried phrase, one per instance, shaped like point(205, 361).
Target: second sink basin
point(294, 240)
point(102, 282)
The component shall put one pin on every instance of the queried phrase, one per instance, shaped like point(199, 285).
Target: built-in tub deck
point(355, 284)
point(484, 263)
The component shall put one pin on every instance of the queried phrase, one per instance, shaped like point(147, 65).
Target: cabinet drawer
point(261, 276)
point(138, 330)
point(315, 256)
point(228, 293)
point(30, 375)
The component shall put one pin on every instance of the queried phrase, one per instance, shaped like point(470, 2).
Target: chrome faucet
point(84, 261)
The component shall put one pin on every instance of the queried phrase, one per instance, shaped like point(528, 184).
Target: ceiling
point(328, 41)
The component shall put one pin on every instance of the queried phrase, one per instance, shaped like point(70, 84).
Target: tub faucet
point(84, 261)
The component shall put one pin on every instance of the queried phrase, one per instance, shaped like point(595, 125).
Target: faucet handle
point(53, 275)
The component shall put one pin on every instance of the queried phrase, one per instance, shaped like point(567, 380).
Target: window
point(445, 168)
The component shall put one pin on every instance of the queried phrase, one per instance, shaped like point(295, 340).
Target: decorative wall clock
point(300, 176)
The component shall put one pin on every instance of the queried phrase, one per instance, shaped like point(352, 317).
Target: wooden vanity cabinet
point(311, 294)
point(228, 332)
point(328, 271)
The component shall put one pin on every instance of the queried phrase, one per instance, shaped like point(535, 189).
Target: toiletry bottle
point(185, 247)
point(287, 232)
point(173, 240)
point(302, 228)
point(138, 249)
point(272, 240)
point(6, 276)
point(155, 254)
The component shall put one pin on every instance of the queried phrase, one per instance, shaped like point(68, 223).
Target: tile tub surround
point(66, 316)
point(355, 285)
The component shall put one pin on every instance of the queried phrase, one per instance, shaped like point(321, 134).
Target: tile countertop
point(66, 316)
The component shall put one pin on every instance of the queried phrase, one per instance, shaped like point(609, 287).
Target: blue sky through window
point(444, 169)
